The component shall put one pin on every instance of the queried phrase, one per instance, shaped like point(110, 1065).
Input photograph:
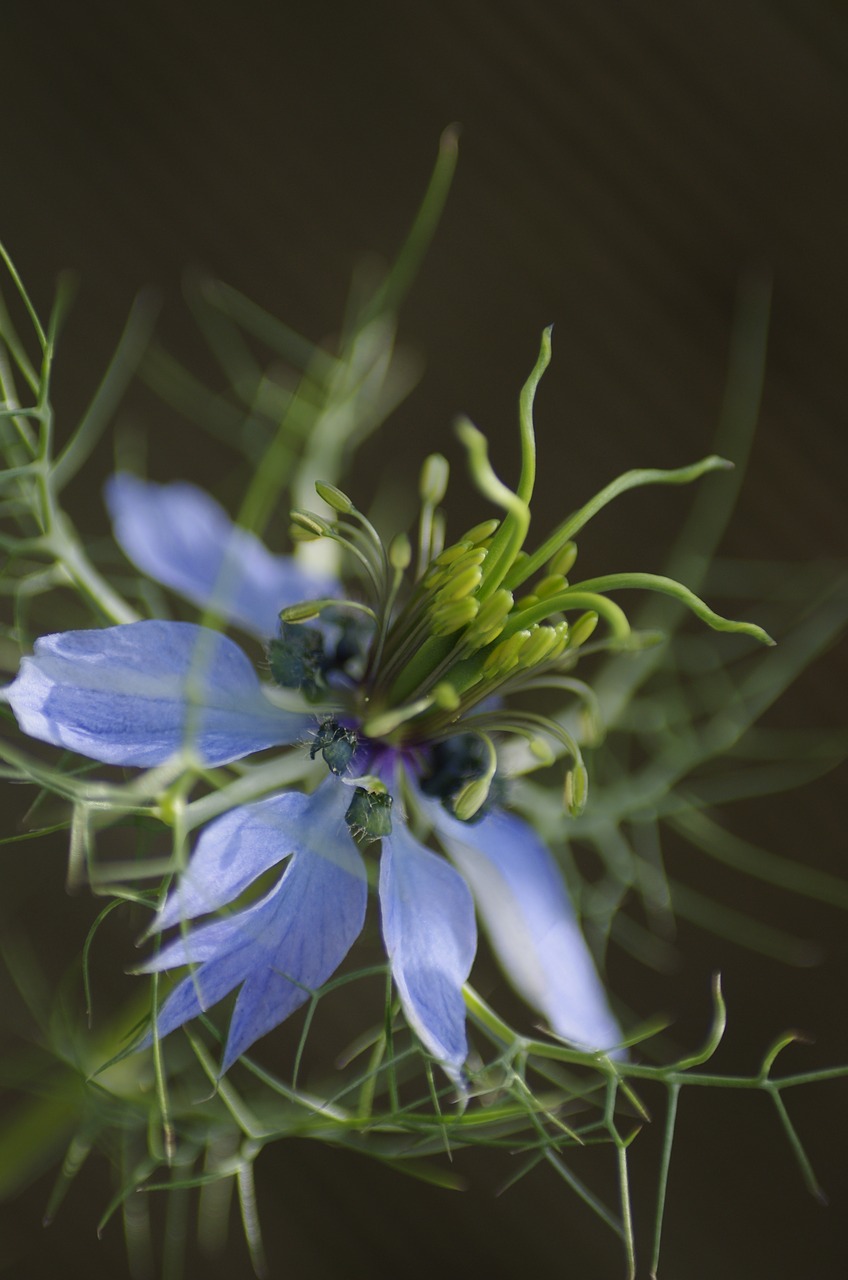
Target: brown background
point(622, 165)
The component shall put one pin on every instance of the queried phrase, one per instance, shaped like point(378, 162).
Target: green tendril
point(668, 587)
point(629, 480)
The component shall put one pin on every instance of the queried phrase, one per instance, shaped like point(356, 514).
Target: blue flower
point(402, 767)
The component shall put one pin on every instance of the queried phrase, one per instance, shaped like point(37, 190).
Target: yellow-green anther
point(582, 629)
point(562, 632)
point(475, 556)
point(301, 612)
point(526, 602)
point(381, 725)
point(453, 552)
point(552, 585)
point(576, 789)
point(400, 552)
point(591, 726)
point(471, 798)
point(434, 479)
point(460, 585)
point(453, 615)
point(310, 523)
point(505, 655)
point(441, 578)
point(438, 525)
point(563, 561)
point(445, 697)
point(334, 497)
point(542, 642)
point(299, 534)
point(491, 619)
point(309, 609)
point(480, 532)
point(370, 782)
point(542, 750)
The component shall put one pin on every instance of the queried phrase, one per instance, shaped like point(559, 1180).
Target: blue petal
point(528, 916)
point(180, 536)
point(136, 694)
point(283, 947)
point(431, 937)
point(236, 848)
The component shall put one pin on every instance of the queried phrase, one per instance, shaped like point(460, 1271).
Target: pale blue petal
point(184, 539)
point(236, 848)
point(284, 946)
point(135, 694)
point(431, 937)
point(230, 854)
point(526, 911)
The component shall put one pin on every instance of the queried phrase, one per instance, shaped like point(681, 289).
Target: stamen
point(582, 629)
point(309, 609)
point(562, 562)
point(334, 497)
point(574, 598)
point(527, 724)
point(453, 615)
point(349, 537)
point(432, 488)
point(381, 725)
point(470, 799)
point(490, 620)
point(513, 530)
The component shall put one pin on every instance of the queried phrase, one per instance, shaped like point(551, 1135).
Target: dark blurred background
point(622, 166)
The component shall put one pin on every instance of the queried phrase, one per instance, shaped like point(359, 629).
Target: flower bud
point(453, 615)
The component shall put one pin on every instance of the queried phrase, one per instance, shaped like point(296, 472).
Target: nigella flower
point(403, 700)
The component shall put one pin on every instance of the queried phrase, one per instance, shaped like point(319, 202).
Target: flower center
point(429, 660)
